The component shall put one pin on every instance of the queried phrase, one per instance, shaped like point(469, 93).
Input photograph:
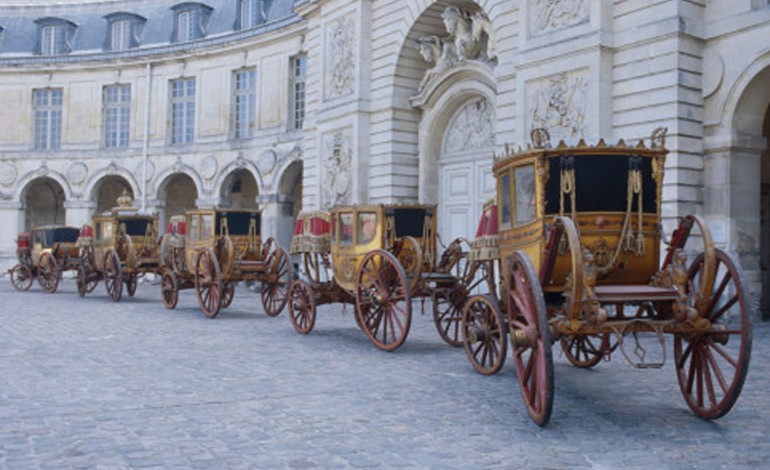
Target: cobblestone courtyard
point(88, 383)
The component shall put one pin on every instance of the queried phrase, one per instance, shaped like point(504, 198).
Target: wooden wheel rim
point(527, 315)
point(584, 351)
point(383, 300)
point(301, 307)
point(208, 283)
point(484, 334)
point(711, 367)
point(169, 290)
point(228, 294)
point(275, 293)
point(48, 273)
point(113, 275)
point(21, 277)
point(448, 316)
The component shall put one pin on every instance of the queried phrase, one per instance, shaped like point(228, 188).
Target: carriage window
point(525, 194)
point(107, 231)
point(194, 227)
point(346, 228)
point(505, 200)
point(207, 226)
point(38, 238)
point(367, 223)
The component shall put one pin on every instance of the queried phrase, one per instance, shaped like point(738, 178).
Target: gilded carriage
point(579, 242)
point(377, 258)
point(119, 247)
point(212, 249)
point(44, 253)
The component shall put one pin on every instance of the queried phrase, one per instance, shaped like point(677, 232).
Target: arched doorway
point(43, 203)
point(240, 190)
point(289, 200)
point(177, 194)
point(764, 217)
point(465, 168)
point(108, 190)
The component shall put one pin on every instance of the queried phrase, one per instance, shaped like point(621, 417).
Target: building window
point(244, 103)
point(47, 105)
point(182, 110)
point(191, 21)
point(117, 112)
point(252, 13)
point(298, 75)
point(124, 30)
point(54, 36)
point(120, 35)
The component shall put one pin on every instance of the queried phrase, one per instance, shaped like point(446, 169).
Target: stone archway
point(240, 190)
point(289, 202)
point(107, 191)
point(176, 195)
point(764, 219)
point(43, 200)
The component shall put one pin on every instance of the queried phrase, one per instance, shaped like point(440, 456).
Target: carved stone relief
point(340, 63)
point(209, 167)
point(558, 103)
point(77, 173)
point(337, 158)
point(470, 37)
point(266, 162)
point(8, 173)
point(140, 169)
point(472, 128)
point(549, 15)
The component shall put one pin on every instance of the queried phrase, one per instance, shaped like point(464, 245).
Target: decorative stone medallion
point(7, 173)
point(77, 173)
point(266, 161)
point(209, 167)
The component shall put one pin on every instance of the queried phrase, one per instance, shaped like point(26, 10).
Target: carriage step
point(634, 293)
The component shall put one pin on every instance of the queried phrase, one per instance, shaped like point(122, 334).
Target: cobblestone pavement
point(88, 383)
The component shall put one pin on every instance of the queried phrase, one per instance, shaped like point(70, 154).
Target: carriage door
point(465, 170)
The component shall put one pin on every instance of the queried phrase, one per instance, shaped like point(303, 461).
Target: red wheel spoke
point(724, 308)
point(717, 371)
point(722, 352)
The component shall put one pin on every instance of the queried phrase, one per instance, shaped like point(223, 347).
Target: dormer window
point(124, 30)
point(252, 13)
point(191, 21)
point(55, 36)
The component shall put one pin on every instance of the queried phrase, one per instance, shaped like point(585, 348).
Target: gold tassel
point(641, 244)
point(628, 241)
point(563, 245)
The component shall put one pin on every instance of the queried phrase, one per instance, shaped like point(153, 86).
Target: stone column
point(277, 220)
point(12, 221)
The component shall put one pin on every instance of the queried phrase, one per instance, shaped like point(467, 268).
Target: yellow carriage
point(44, 253)
point(212, 249)
point(580, 245)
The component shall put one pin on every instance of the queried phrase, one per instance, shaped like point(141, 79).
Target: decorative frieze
point(550, 15)
point(472, 128)
point(558, 103)
point(340, 58)
point(337, 157)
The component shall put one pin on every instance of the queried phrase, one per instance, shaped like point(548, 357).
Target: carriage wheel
point(208, 282)
point(383, 300)
point(276, 291)
point(585, 351)
point(48, 273)
point(228, 294)
point(21, 277)
point(314, 267)
point(131, 283)
point(301, 306)
point(531, 338)
point(86, 280)
point(113, 275)
point(169, 289)
point(448, 315)
point(712, 366)
point(484, 334)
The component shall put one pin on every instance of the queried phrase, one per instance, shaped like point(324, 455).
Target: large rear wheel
point(711, 366)
point(531, 338)
point(383, 300)
point(208, 282)
point(21, 277)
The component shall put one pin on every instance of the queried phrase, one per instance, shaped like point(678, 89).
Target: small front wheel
point(484, 334)
point(113, 275)
point(301, 306)
point(21, 277)
point(169, 289)
point(275, 292)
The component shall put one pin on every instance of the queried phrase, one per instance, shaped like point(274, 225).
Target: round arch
point(239, 189)
point(91, 187)
point(107, 189)
point(177, 193)
point(43, 202)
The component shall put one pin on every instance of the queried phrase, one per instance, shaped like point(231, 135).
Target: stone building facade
point(309, 103)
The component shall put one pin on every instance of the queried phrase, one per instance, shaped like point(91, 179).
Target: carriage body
point(133, 237)
point(536, 186)
point(579, 247)
point(45, 252)
point(212, 249)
